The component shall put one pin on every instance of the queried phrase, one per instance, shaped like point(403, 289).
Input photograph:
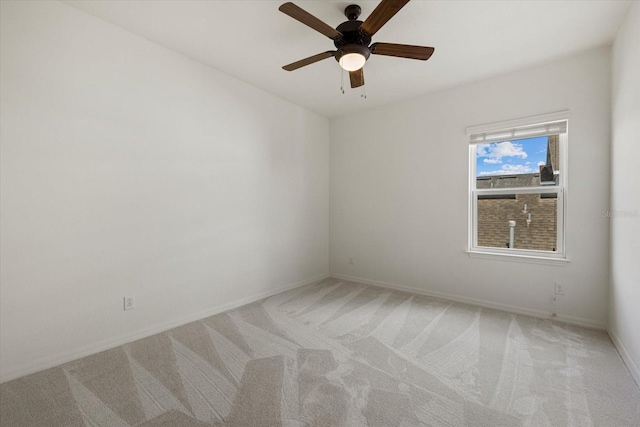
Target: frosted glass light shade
point(352, 61)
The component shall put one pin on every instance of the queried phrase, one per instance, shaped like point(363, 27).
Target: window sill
point(558, 262)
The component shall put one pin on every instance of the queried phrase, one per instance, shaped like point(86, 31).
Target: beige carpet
point(340, 354)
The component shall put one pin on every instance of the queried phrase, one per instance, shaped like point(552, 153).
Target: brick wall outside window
point(494, 216)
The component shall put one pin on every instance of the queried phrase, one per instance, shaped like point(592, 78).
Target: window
point(518, 176)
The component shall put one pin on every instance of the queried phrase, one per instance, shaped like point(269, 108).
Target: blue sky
point(511, 157)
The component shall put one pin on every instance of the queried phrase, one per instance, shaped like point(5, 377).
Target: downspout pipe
point(512, 232)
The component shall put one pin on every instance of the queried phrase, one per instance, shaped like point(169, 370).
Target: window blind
point(519, 132)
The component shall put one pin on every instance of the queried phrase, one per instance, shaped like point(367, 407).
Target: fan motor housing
point(351, 34)
point(352, 41)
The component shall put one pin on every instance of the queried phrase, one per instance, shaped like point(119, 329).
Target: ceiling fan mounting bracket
point(352, 12)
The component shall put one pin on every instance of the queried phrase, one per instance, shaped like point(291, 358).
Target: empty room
point(319, 213)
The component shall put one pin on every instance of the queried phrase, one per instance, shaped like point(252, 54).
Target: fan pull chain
point(364, 92)
point(342, 80)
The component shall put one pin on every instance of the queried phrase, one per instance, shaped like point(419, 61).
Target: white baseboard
point(93, 348)
point(626, 358)
point(480, 302)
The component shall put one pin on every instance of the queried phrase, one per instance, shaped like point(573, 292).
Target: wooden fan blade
point(357, 78)
point(381, 14)
point(309, 60)
point(402, 50)
point(308, 19)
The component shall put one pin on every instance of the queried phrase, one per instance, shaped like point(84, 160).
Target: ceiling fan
point(353, 37)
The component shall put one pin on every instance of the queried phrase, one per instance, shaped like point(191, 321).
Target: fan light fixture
point(352, 57)
point(352, 61)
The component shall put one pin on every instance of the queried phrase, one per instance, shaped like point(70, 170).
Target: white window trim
point(546, 257)
point(531, 259)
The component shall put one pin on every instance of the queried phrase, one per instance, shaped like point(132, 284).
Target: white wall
point(129, 169)
point(399, 191)
point(624, 299)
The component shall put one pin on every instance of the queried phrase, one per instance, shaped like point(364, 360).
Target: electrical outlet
point(559, 289)
point(130, 302)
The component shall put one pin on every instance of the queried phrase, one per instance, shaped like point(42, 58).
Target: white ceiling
point(252, 40)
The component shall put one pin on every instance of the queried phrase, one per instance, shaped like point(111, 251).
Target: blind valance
point(550, 124)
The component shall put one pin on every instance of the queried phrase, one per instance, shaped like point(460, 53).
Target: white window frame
point(509, 131)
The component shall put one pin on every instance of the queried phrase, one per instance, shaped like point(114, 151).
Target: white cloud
point(509, 170)
point(541, 163)
point(494, 152)
point(491, 160)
